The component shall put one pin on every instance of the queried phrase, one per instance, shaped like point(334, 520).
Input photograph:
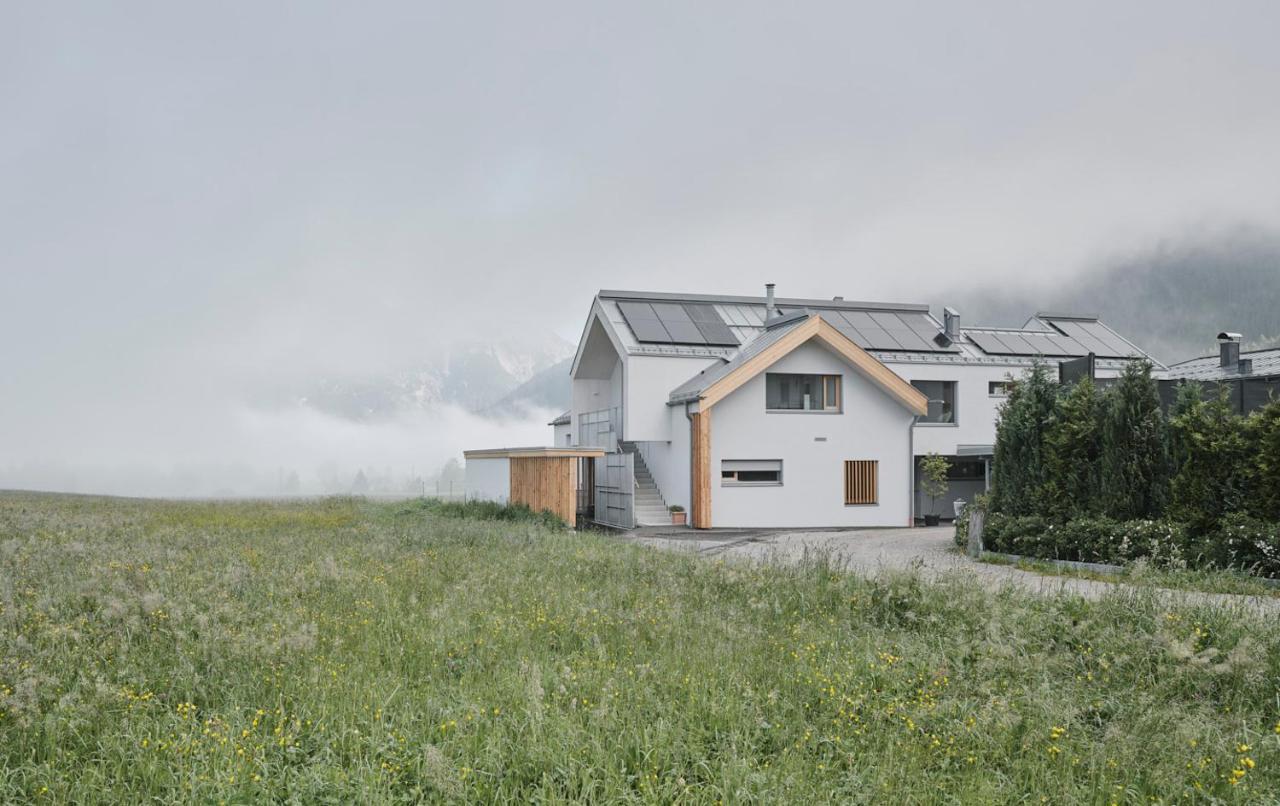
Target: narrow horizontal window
point(861, 481)
point(998, 388)
point(785, 391)
point(751, 472)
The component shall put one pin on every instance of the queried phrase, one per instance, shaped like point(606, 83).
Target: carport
point(555, 480)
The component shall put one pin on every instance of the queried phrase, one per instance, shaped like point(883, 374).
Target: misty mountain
point(1172, 300)
point(498, 379)
point(548, 389)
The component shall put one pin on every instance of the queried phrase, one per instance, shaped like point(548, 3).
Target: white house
point(756, 411)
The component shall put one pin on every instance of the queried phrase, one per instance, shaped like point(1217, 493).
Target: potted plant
point(677, 514)
point(933, 472)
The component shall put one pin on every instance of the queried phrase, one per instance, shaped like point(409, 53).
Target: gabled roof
point(781, 338)
point(893, 332)
point(1209, 368)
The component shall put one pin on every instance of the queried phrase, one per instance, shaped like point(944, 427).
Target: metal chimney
point(770, 310)
point(951, 323)
point(1228, 349)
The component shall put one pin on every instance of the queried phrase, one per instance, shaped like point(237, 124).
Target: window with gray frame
point(786, 391)
point(942, 401)
point(751, 473)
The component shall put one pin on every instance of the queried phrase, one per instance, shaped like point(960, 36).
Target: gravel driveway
point(929, 551)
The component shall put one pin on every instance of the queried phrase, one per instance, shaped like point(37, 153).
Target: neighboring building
point(756, 411)
point(1251, 378)
point(562, 429)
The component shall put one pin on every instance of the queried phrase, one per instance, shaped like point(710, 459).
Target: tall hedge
point(1018, 466)
point(1072, 449)
point(1212, 457)
point(1262, 433)
point(1135, 455)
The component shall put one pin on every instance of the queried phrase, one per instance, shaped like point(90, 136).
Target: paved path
point(928, 551)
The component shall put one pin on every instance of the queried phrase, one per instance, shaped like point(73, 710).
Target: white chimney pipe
point(770, 310)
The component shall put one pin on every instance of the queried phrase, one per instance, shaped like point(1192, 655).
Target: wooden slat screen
point(546, 483)
point(860, 477)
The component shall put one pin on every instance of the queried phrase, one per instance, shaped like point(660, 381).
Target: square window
point(942, 401)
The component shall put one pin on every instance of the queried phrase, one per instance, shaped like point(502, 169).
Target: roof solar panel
point(988, 342)
point(910, 340)
point(709, 324)
point(861, 320)
point(1119, 348)
point(850, 332)
point(840, 320)
point(676, 323)
point(644, 322)
point(1017, 345)
point(1042, 344)
point(888, 321)
point(879, 339)
point(1067, 345)
point(1077, 331)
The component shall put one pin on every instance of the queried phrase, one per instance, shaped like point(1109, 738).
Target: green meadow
point(345, 651)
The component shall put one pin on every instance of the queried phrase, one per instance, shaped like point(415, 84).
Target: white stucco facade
point(813, 447)
point(975, 408)
point(649, 379)
point(488, 479)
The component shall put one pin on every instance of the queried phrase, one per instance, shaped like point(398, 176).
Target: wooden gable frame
point(815, 328)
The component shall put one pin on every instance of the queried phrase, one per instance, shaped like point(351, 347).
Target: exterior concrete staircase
point(650, 508)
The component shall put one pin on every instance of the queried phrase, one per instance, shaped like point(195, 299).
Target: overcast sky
point(196, 195)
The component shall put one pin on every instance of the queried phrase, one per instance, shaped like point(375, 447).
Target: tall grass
point(343, 651)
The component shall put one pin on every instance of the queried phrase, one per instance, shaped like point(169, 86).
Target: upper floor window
point(793, 392)
point(998, 388)
point(942, 401)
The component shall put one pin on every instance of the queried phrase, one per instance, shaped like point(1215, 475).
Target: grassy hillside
point(342, 651)
point(1171, 300)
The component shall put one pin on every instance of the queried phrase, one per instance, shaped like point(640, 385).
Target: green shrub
point(1248, 544)
point(1013, 534)
point(1093, 540)
point(491, 511)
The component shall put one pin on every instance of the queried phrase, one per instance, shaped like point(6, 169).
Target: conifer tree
point(1018, 471)
point(1135, 454)
point(1073, 447)
point(1263, 438)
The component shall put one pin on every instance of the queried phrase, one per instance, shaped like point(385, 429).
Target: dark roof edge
point(1079, 317)
point(732, 300)
point(997, 329)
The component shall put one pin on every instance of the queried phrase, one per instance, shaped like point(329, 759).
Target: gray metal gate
point(615, 484)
